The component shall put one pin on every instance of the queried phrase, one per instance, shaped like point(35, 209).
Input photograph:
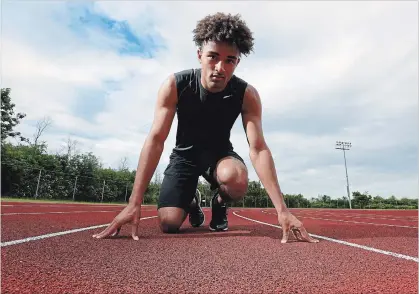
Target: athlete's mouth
point(217, 77)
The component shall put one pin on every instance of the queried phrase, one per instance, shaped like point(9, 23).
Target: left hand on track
point(289, 222)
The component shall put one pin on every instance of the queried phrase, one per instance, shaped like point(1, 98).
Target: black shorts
point(181, 177)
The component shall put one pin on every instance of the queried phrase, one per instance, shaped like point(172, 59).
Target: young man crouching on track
point(207, 102)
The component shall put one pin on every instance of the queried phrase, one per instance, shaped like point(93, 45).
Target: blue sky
point(85, 21)
point(326, 71)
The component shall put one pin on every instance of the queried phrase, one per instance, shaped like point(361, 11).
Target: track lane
point(393, 239)
point(407, 215)
point(62, 207)
point(364, 216)
point(359, 220)
point(248, 258)
point(14, 227)
point(7, 203)
point(30, 209)
point(364, 212)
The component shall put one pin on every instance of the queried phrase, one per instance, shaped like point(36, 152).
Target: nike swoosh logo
point(228, 96)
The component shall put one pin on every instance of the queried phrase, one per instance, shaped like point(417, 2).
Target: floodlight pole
point(345, 146)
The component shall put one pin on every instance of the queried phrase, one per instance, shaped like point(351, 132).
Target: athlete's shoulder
point(251, 99)
point(251, 91)
point(238, 86)
point(239, 80)
point(186, 80)
point(186, 75)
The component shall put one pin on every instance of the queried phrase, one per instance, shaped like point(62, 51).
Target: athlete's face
point(218, 62)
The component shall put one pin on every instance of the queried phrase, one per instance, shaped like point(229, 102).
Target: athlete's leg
point(176, 194)
point(196, 215)
point(229, 177)
point(171, 219)
point(232, 178)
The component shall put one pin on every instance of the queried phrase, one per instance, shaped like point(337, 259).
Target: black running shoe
point(219, 220)
point(196, 215)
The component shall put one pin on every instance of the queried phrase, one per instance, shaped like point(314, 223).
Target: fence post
point(126, 192)
point(103, 191)
point(37, 185)
point(74, 190)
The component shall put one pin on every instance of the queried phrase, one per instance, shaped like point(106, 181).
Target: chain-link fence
point(24, 181)
point(21, 180)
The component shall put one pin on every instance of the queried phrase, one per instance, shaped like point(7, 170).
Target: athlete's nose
point(219, 67)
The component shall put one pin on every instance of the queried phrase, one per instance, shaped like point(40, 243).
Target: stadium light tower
point(345, 146)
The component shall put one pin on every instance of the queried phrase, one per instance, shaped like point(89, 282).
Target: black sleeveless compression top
point(205, 119)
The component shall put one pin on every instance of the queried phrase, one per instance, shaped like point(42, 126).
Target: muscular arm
point(153, 147)
point(260, 153)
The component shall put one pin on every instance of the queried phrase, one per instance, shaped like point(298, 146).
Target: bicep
point(165, 110)
point(252, 118)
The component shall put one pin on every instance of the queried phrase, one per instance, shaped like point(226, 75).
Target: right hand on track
point(130, 214)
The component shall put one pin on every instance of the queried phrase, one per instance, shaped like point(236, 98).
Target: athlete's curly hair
point(225, 28)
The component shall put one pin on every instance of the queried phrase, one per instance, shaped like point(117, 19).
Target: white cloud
point(308, 56)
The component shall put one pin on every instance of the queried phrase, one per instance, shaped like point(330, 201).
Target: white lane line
point(398, 255)
point(72, 205)
point(62, 205)
point(361, 215)
point(57, 212)
point(355, 222)
point(14, 242)
point(63, 212)
point(351, 216)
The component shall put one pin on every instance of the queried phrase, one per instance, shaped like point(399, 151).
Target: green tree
point(206, 193)
point(254, 194)
point(8, 118)
point(361, 200)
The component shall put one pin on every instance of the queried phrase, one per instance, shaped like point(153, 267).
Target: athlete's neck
point(207, 88)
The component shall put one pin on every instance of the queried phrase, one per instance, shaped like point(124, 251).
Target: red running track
point(249, 258)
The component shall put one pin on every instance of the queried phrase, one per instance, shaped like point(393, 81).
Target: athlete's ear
point(199, 54)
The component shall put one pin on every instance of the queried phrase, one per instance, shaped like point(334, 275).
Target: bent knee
point(233, 179)
point(232, 172)
point(169, 228)
point(234, 192)
point(171, 219)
